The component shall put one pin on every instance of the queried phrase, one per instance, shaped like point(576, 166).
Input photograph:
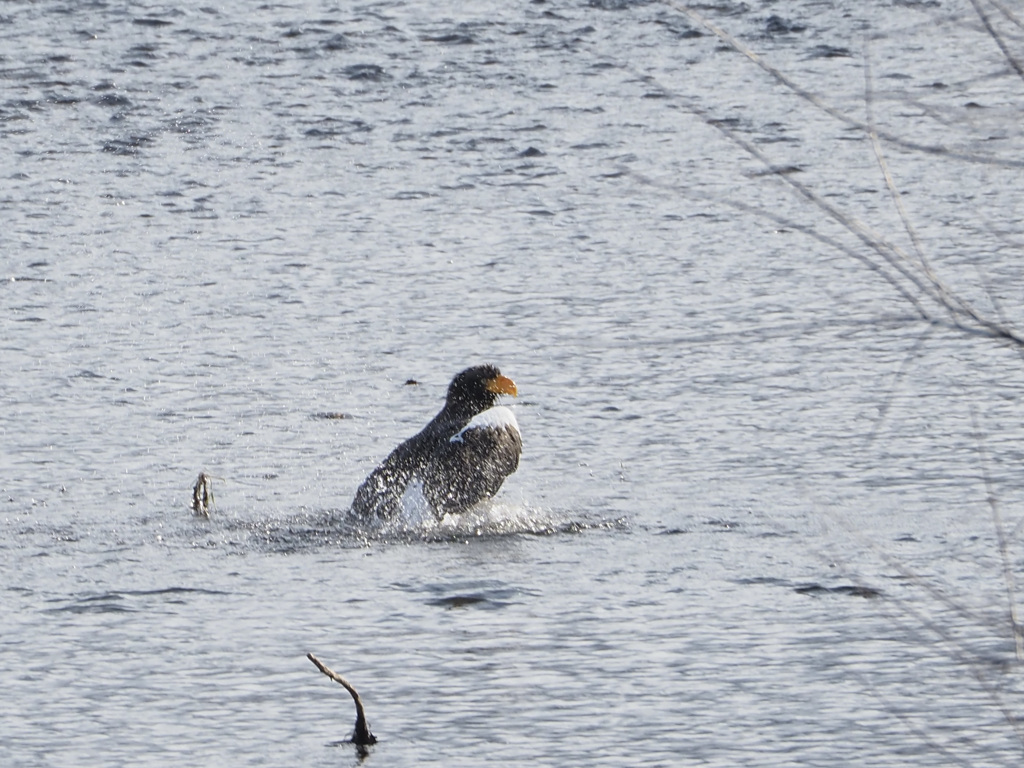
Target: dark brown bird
point(461, 457)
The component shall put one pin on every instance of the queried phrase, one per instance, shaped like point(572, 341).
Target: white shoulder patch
point(498, 417)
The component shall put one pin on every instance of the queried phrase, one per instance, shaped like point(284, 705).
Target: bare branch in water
point(202, 495)
point(361, 735)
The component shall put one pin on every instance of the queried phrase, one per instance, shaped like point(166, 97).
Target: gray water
point(765, 474)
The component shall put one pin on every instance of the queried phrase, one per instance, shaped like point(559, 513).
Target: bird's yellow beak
point(502, 385)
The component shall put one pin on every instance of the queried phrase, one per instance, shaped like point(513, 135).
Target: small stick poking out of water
point(202, 495)
point(361, 735)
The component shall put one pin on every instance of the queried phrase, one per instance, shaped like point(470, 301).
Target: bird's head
point(476, 389)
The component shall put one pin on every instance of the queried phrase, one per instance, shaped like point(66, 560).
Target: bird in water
point(461, 457)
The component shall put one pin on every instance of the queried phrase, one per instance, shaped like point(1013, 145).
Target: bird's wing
point(380, 495)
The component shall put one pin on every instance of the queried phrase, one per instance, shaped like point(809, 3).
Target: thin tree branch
point(361, 735)
point(934, 149)
point(998, 39)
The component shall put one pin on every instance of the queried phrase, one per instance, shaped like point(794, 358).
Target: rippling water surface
point(770, 500)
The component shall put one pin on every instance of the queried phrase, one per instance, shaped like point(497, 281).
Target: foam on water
point(492, 517)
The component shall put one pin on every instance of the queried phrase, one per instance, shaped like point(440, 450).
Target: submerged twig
point(361, 735)
point(202, 495)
